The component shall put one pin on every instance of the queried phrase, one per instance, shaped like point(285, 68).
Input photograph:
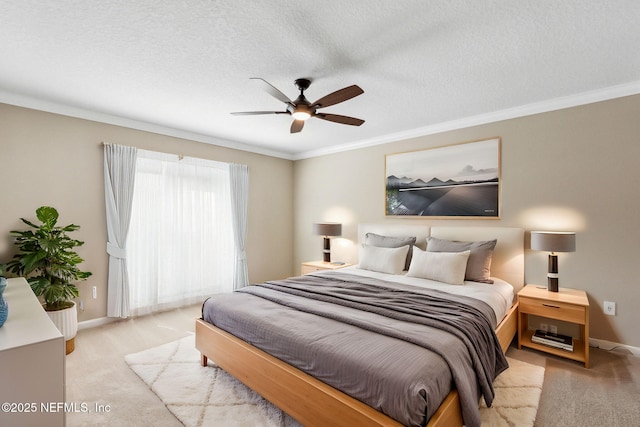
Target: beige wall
point(49, 159)
point(573, 169)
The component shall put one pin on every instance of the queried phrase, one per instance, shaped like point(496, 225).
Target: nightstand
point(568, 305)
point(311, 266)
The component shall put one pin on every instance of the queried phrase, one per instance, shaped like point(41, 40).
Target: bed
point(314, 397)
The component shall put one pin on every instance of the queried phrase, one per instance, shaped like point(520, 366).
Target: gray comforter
point(397, 348)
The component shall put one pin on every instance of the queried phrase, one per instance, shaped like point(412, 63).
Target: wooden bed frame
point(314, 403)
point(308, 400)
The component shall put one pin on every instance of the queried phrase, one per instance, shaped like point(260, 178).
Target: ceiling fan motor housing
point(303, 84)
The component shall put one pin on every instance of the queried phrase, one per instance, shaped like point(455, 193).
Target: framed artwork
point(455, 181)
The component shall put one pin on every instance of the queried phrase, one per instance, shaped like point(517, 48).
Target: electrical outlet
point(610, 308)
point(95, 292)
point(81, 305)
point(544, 327)
point(553, 329)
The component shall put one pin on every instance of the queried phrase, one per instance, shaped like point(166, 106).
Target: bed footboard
point(308, 400)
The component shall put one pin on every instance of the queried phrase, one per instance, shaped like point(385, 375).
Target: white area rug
point(202, 396)
point(208, 396)
point(517, 395)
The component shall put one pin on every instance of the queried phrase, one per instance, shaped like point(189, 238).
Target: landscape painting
point(456, 181)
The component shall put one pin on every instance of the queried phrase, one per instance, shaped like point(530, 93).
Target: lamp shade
point(327, 229)
point(553, 241)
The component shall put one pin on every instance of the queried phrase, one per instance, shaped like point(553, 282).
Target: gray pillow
point(373, 239)
point(479, 264)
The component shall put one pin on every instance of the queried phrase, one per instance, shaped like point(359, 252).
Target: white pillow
point(447, 267)
point(383, 260)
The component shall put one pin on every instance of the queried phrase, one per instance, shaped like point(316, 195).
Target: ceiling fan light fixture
point(301, 115)
point(301, 110)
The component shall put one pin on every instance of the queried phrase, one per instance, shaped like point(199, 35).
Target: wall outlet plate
point(610, 308)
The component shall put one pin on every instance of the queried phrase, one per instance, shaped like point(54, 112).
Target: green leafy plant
point(47, 259)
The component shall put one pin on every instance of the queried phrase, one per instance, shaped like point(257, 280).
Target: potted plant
point(47, 259)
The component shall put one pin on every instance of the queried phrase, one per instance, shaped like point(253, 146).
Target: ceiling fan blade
point(338, 96)
point(272, 90)
point(297, 126)
point(254, 113)
point(345, 120)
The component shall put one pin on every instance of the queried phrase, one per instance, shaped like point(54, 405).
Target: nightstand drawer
point(554, 310)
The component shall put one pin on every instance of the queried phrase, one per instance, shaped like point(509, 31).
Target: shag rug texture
point(208, 396)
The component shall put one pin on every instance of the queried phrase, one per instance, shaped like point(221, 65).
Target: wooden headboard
point(508, 257)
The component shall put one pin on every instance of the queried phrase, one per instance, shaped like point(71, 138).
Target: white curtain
point(181, 245)
point(119, 179)
point(239, 180)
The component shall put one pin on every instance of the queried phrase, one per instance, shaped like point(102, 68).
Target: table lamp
point(553, 241)
point(327, 230)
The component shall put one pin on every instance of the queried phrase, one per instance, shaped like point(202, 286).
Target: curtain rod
point(180, 156)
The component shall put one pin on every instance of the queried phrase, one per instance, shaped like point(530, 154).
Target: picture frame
point(458, 181)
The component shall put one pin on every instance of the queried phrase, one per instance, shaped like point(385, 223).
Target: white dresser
point(32, 362)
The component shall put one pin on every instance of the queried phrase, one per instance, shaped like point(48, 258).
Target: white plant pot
point(67, 323)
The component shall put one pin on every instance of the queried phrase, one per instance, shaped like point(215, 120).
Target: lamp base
point(326, 250)
point(552, 276)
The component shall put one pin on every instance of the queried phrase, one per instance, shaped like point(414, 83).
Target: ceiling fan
point(301, 109)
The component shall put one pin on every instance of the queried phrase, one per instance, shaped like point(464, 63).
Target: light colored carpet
point(208, 396)
point(607, 394)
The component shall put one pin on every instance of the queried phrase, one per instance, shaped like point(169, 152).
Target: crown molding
point(80, 113)
point(559, 103)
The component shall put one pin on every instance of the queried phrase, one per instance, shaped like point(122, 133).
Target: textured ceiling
point(180, 67)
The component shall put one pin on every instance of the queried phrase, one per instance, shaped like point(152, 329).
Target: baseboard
point(96, 322)
point(608, 345)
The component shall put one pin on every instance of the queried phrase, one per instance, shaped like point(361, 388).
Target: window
point(180, 246)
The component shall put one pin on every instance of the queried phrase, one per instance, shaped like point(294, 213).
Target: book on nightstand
point(563, 342)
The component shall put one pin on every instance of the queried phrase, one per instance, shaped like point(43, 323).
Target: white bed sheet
point(498, 295)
